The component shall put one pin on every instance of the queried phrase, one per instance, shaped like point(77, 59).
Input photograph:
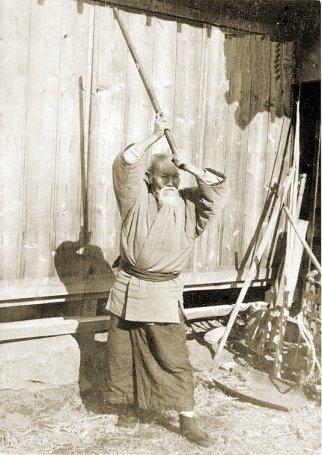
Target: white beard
point(169, 196)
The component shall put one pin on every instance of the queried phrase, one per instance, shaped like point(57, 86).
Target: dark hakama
point(148, 366)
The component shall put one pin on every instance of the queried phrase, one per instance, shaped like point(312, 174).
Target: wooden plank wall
point(228, 98)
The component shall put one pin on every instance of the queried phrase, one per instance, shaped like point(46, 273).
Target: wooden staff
point(84, 163)
point(144, 77)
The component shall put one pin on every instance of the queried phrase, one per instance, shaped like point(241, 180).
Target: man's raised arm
point(136, 151)
point(129, 167)
point(208, 198)
point(211, 177)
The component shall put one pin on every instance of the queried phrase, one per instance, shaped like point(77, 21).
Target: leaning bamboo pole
point(303, 178)
point(259, 253)
point(303, 241)
point(273, 322)
point(284, 297)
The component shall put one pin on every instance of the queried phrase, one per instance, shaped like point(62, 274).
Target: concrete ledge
point(40, 363)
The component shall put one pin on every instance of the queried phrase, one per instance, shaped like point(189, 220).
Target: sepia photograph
point(160, 227)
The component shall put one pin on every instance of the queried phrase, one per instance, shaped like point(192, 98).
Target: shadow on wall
point(93, 372)
point(83, 270)
point(260, 74)
point(82, 267)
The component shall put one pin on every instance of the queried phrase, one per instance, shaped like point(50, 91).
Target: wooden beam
point(216, 14)
point(219, 310)
point(224, 278)
point(48, 290)
point(39, 328)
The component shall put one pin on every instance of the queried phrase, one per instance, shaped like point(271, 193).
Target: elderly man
point(148, 364)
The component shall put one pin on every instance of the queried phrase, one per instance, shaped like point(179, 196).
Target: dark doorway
point(310, 163)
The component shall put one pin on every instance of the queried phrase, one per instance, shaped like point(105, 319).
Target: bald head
point(159, 161)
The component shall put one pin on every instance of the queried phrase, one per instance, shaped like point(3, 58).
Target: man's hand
point(181, 161)
point(134, 153)
point(160, 124)
point(180, 158)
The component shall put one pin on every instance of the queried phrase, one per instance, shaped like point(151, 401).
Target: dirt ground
point(75, 419)
point(63, 421)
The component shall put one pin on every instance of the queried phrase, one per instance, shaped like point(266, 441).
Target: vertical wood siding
point(228, 98)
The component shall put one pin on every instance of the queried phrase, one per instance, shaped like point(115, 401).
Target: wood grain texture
point(41, 137)
point(228, 99)
point(212, 151)
point(14, 33)
point(68, 190)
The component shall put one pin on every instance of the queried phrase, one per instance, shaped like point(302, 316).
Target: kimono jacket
point(156, 242)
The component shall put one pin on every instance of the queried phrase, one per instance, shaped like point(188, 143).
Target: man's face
point(164, 174)
point(164, 179)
